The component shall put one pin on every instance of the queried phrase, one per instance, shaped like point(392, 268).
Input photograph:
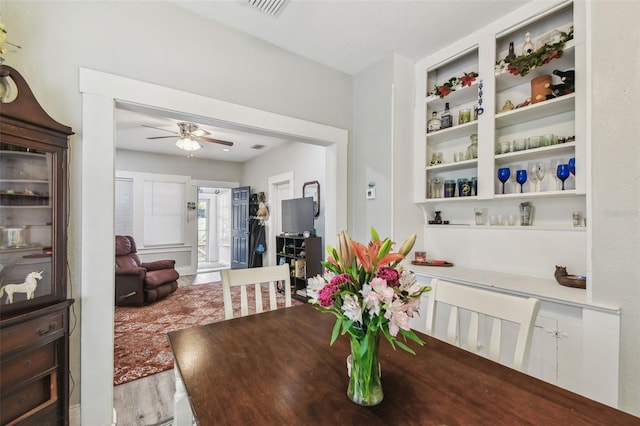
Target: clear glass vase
point(365, 387)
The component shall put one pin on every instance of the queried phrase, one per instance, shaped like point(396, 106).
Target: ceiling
point(132, 134)
point(348, 36)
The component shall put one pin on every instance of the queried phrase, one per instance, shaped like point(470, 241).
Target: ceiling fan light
point(187, 143)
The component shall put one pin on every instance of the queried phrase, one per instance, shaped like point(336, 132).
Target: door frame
point(274, 210)
point(101, 93)
point(193, 196)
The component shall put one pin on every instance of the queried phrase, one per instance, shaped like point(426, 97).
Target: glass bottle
point(512, 54)
point(527, 47)
point(434, 124)
point(446, 118)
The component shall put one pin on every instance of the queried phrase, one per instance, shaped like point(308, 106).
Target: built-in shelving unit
point(558, 122)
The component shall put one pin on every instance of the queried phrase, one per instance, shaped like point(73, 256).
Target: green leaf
point(405, 347)
point(336, 330)
point(412, 336)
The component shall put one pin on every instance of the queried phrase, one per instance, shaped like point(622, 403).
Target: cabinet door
point(31, 221)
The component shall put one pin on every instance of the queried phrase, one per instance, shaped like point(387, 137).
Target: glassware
point(572, 165)
point(449, 188)
point(437, 187)
point(519, 144)
point(505, 147)
point(503, 175)
point(533, 177)
point(464, 187)
point(464, 116)
point(521, 178)
point(472, 149)
point(540, 172)
point(479, 214)
point(553, 171)
point(563, 173)
point(534, 142)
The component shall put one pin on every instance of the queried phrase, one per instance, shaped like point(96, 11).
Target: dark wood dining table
point(278, 368)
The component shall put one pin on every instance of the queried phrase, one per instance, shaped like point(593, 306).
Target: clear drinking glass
point(533, 177)
point(540, 172)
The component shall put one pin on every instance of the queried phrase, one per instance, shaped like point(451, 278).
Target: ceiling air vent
point(272, 7)
point(257, 146)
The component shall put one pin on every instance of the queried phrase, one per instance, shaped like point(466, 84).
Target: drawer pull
point(52, 327)
point(27, 363)
point(22, 399)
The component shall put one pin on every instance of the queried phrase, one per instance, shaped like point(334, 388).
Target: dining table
point(278, 368)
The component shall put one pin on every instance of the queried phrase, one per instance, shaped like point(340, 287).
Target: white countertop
point(541, 288)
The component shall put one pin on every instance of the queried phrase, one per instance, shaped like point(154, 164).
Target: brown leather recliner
point(139, 283)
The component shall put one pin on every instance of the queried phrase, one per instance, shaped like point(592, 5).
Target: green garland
point(523, 64)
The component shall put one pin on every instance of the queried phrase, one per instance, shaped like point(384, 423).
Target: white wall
point(147, 41)
point(197, 168)
point(370, 153)
point(615, 180)
point(305, 161)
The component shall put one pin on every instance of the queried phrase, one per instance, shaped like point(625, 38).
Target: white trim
point(272, 184)
point(100, 93)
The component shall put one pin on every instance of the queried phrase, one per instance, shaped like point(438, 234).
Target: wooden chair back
point(255, 276)
point(498, 306)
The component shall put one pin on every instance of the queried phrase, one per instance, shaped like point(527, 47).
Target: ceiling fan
point(189, 136)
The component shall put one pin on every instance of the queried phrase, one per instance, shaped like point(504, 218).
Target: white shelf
point(541, 194)
point(454, 132)
point(449, 200)
point(460, 96)
point(543, 227)
point(448, 167)
point(535, 153)
point(536, 111)
point(36, 181)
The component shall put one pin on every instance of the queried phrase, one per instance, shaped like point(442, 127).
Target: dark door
point(240, 227)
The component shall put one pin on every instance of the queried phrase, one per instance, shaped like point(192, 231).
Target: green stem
point(365, 387)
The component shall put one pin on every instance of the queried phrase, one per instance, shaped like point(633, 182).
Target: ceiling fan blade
point(216, 141)
point(200, 133)
point(162, 137)
point(159, 128)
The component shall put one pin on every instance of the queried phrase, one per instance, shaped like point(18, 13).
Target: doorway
point(100, 94)
point(213, 229)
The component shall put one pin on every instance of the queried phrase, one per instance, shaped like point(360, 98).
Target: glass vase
point(365, 387)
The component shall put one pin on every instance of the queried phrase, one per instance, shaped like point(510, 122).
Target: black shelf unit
point(294, 250)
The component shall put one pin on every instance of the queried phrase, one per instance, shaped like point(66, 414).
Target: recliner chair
point(139, 283)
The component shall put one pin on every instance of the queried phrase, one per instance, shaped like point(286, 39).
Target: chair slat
point(499, 306)
point(256, 277)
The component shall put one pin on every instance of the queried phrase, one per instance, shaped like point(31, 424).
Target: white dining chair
point(498, 306)
point(256, 277)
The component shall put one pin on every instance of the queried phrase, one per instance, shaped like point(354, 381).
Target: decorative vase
point(365, 387)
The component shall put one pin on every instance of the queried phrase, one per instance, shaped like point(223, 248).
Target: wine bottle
point(565, 76)
point(512, 55)
point(527, 47)
point(446, 118)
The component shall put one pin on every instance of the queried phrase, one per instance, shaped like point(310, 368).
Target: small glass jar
point(449, 188)
point(434, 124)
point(505, 147)
point(519, 144)
point(534, 142)
point(472, 149)
point(464, 116)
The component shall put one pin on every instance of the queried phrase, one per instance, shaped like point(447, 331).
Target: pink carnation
point(390, 275)
point(325, 295)
point(338, 280)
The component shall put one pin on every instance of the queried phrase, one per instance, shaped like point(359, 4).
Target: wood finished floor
point(149, 401)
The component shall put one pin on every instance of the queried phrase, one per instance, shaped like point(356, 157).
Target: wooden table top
point(278, 368)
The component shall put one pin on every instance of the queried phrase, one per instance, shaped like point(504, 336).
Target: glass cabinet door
point(28, 215)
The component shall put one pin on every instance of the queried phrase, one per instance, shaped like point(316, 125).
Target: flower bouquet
point(370, 294)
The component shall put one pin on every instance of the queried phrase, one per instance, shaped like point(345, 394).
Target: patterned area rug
point(141, 344)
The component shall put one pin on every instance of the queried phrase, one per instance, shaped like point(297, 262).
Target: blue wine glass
point(572, 165)
point(521, 178)
point(503, 175)
point(563, 173)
